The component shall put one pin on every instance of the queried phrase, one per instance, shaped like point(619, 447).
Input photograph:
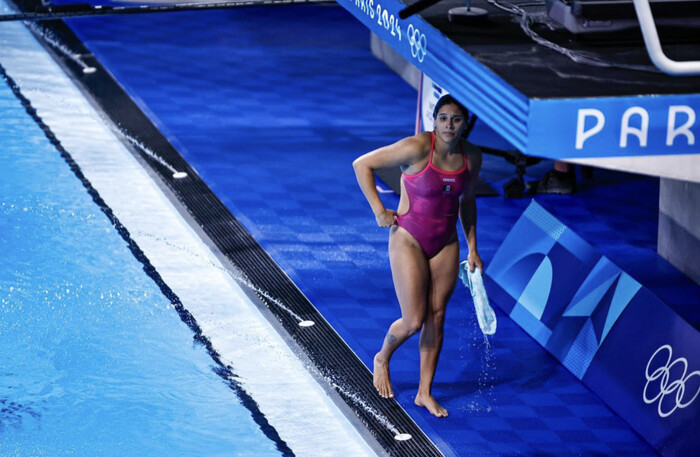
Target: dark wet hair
point(448, 99)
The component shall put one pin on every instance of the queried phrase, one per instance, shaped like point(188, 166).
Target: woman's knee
point(414, 325)
point(437, 317)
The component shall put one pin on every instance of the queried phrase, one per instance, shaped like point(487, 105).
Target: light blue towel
point(475, 283)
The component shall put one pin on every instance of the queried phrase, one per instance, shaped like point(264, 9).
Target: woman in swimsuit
point(438, 186)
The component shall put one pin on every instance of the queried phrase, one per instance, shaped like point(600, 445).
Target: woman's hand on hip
point(386, 218)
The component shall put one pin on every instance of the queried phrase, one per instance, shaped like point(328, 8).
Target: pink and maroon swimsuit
point(433, 196)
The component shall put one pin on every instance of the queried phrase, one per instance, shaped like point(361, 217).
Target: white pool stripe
point(288, 395)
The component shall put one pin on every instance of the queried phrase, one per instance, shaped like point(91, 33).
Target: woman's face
point(449, 123)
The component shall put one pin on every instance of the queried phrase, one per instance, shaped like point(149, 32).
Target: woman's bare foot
point(381, 377)
point(429, 402)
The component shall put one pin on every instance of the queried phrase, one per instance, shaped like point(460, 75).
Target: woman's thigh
point(410, 272)
point(443, 276)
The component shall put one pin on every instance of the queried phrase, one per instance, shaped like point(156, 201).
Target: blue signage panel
point(648, 371)
point(614, 126)
point(602, 325)
point(567, 295)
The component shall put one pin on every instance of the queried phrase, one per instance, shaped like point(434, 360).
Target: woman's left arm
point(467, 207)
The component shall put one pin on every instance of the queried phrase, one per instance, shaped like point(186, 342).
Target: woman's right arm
point(403, 152)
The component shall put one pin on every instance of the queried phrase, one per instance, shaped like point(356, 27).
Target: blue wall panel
point(602, 325)
point(647, 371)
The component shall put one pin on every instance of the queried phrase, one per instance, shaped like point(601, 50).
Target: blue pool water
point(94, 360)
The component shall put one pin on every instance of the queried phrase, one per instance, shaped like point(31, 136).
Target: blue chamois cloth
point(475, 284)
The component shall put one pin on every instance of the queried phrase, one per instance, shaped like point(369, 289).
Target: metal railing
point(653, 44)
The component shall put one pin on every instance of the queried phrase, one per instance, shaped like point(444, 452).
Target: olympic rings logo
point(418, 42)
point(663, 374)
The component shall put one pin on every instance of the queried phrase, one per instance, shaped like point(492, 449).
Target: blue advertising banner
point(648, 371)
point(567, 295)
point(615, 126)
point(601, 324)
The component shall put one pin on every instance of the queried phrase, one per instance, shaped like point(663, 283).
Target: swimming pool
point(120, 332)
point(95, 359)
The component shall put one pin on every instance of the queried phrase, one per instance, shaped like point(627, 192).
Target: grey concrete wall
point(679, 225)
